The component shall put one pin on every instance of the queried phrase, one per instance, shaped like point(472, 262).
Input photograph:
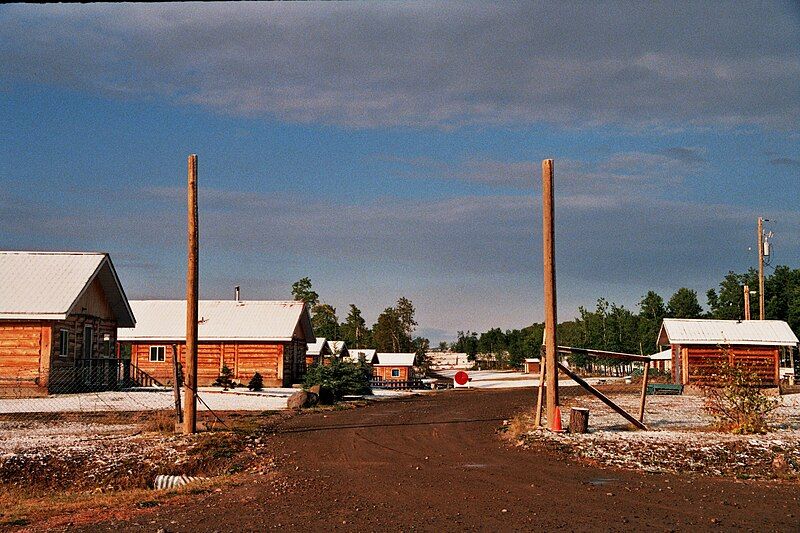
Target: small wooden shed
point(59, 313)
point(532, 366)
point(393, 366)
point(699, 346)
point(268, 337)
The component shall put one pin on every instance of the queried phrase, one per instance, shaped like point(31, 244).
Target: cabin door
point(88, 334)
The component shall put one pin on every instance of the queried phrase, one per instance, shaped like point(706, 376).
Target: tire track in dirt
point(436, 463)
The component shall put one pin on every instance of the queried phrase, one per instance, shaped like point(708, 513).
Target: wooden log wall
point(385, 373)
point(21, 347)
point(703, 361)
point(244, 359)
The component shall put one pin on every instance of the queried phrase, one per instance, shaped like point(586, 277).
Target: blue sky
point(391, 150)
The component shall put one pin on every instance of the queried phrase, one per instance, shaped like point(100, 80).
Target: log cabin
point(393, 366)
point(699, 346)
point(268, 337)
point(316, 352)
point(338, 349)
point(59, 314)
point(355, 355)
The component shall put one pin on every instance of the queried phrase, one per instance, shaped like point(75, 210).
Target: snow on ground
point(147, 400)
point(681, 438)
point(160, 399)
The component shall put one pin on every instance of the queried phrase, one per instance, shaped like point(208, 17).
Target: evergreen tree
point(387, 331)
point(354, 329)
point(684, 304)
point(301, 291)
point(325, 322)
point(651, 313)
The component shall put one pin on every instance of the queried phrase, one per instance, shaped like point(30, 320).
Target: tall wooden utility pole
point(190, 380)
point(747, 302)
point(549, 249)
point(760, 268)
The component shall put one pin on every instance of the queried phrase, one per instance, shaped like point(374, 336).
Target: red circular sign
point(461, 377)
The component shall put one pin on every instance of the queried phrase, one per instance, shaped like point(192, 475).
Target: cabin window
point(63, 343)
point(395, 372)
point(157, 354)
point(88, 333)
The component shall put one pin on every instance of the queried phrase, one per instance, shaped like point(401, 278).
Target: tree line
point(615, 328)
point(393, 331)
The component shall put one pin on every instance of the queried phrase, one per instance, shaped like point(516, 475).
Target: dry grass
point(158, 422)
point(19, 508)
point(519, 425)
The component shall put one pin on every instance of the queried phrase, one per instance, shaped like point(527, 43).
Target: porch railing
point(377, 383)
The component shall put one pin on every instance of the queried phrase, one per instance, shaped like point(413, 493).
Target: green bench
point(664, 388)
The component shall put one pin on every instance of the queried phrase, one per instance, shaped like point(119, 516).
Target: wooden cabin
point(59, 314)
point(393, 366)
point(699, 346)
point(339, 349)
point(268, 337)
point(355, 355)
point(316, 352)
point(531, 366)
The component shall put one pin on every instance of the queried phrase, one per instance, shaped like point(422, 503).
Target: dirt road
point(435, 463)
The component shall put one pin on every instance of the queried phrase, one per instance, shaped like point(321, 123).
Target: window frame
point(163, 356)
point(63, 343)
point(395, 372)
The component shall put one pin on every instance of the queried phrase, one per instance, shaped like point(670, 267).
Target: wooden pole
point(176, 383)
point(550, 315)
point(747, 302)
point(645, 379)
point(760, 268)
point(537, 420)
point(602, 397)
point(190, 380)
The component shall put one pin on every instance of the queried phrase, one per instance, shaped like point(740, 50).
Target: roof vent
point(236, 293)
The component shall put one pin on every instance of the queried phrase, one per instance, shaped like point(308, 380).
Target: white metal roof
point(336, 347)
point(355, 355)
point(315, 348)
point(46, 285)
point(726, 332)
point(219, 320)
point(666, 355)
point(395, 359)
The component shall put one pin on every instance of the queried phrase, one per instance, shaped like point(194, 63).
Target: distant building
point(532, 366)
point(338, 349)
point(448, 361)
point(355, 355)
point(662, 361)
point(317, 351)
point(698, 346)
point(59, 314)
point(268, 337)
point(393, 366)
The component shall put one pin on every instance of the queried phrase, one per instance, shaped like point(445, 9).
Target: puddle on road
point(602, 481)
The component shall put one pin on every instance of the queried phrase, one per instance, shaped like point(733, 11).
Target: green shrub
point(225, 379)
point(735, 399)
point(341, 377)
point(256, 382)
